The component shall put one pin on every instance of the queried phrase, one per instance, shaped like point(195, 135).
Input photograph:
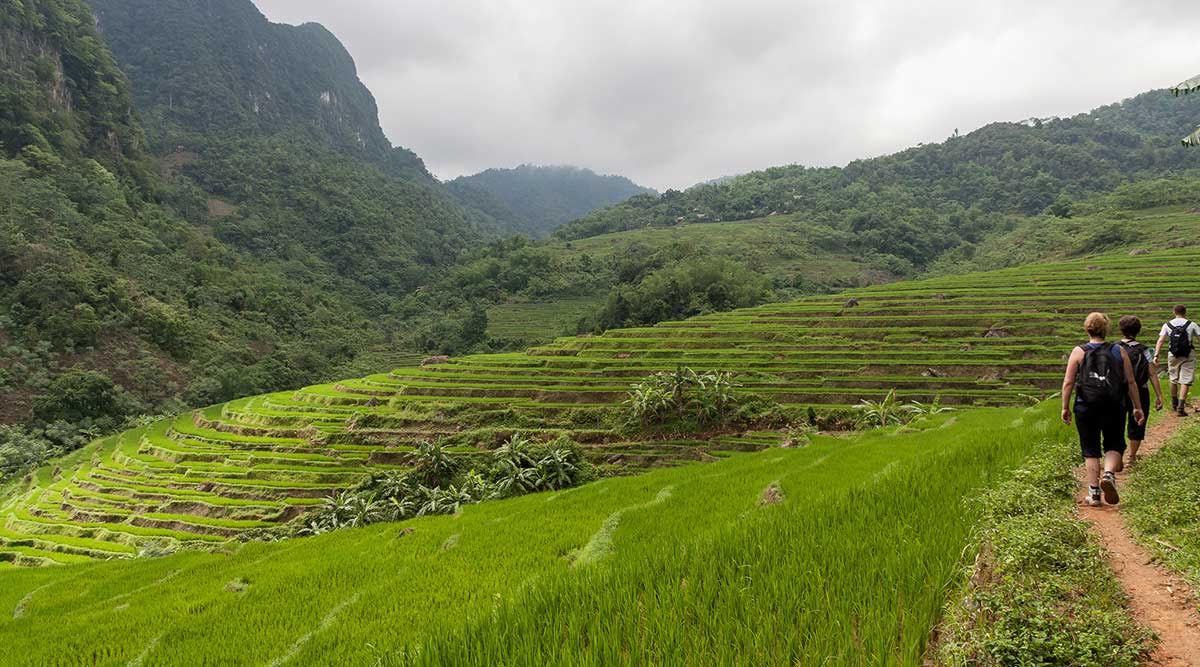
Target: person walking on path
point(1179, 334)
point(1145, 371)
point(1100, 376)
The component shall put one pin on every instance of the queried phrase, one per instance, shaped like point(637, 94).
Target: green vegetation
point(912, 206)
point(1185, 88)
point(438, 485)
point(641, 277)
point(1040, 591)
point(978, 339)
point(536, 200)
point(679, 552)
point(235, 253)
point(1163, 497)
point(683, 400)
point(198, 74)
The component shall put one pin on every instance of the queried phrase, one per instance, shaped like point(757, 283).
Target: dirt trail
point(1160, 599)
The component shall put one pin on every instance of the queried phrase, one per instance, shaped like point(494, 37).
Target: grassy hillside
point(993, 338)
point(915, 203)
point(679, 566)
point(793, 260)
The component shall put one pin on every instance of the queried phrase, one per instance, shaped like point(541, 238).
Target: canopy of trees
point(534, 201)
point(917, 203)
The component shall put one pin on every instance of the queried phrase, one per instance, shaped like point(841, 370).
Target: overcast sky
point(672, 92)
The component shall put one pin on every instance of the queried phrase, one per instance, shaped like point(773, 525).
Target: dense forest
point(536, 200)
point(219, 69)
point(139, 278)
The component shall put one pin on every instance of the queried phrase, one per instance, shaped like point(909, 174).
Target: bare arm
point(1068, 385)
point(1156, 385)
point(1158, 347)
point(1139, 415)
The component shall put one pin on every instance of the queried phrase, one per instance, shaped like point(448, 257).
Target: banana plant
point(556, 470)
point(881, 413)
point(918, 409)
point(435, 463)
point(1187, 87)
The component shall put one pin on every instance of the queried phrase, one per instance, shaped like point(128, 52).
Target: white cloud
point(671, 92)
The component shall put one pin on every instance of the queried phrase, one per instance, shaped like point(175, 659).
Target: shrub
point(76, 396)
point(683, 400)
point(436, 485)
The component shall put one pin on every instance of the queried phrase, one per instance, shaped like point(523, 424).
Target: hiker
point(1101, 376)
point(1145, 371)
point(1181, 365)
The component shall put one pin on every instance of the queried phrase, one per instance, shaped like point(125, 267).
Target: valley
point(273, 393)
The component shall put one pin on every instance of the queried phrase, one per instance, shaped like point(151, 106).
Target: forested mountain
point(270, 126)
point(258, 232)
point(138, 277)
point(918, 203)
point(217, 68)
point(535, 200)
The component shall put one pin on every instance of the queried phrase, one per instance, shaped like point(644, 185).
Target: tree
point(80, 395)
point(1190, 86)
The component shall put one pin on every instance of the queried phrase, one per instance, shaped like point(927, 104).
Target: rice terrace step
point(254, 462)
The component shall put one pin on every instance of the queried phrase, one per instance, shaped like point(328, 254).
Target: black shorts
point(1137, 431)
point(1096, 425)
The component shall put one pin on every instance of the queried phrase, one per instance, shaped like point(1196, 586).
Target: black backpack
point(1137, 359)
point(1100, 380)
point(1181, 340)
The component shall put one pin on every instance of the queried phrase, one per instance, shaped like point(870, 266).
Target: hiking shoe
point(1175, 405)
point(1182, 412)
point(1093, 499)
point(1108, 484)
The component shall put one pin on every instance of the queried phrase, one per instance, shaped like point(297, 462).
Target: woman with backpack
point(1101, 377)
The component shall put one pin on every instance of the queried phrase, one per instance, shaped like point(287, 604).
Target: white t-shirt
point(1193, 328)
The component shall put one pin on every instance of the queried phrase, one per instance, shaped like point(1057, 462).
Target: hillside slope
point(208, 69)
point(679, 566)
point(981, 339)
point(290, 261)
point(536, 200)
point(915, 204)
point(644, 276)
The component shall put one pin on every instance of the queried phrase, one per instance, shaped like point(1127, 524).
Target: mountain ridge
point(537, 199)
point(233, 71)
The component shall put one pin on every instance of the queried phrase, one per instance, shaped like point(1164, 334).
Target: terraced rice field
point(680, 566)
point(988, 339)
point(539, 321)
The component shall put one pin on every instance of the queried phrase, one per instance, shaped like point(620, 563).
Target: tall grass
point(851, 567)
point(855, 575)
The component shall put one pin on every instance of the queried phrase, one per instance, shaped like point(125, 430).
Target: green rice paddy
point(682, 565)
point(988, 339)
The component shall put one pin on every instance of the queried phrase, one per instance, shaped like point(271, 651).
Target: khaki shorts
point(1181, 370)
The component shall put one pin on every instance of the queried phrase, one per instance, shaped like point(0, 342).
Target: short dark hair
point(1181, 309)
point(1130, 326)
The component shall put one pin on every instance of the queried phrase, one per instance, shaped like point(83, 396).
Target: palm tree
point(1190, 86)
